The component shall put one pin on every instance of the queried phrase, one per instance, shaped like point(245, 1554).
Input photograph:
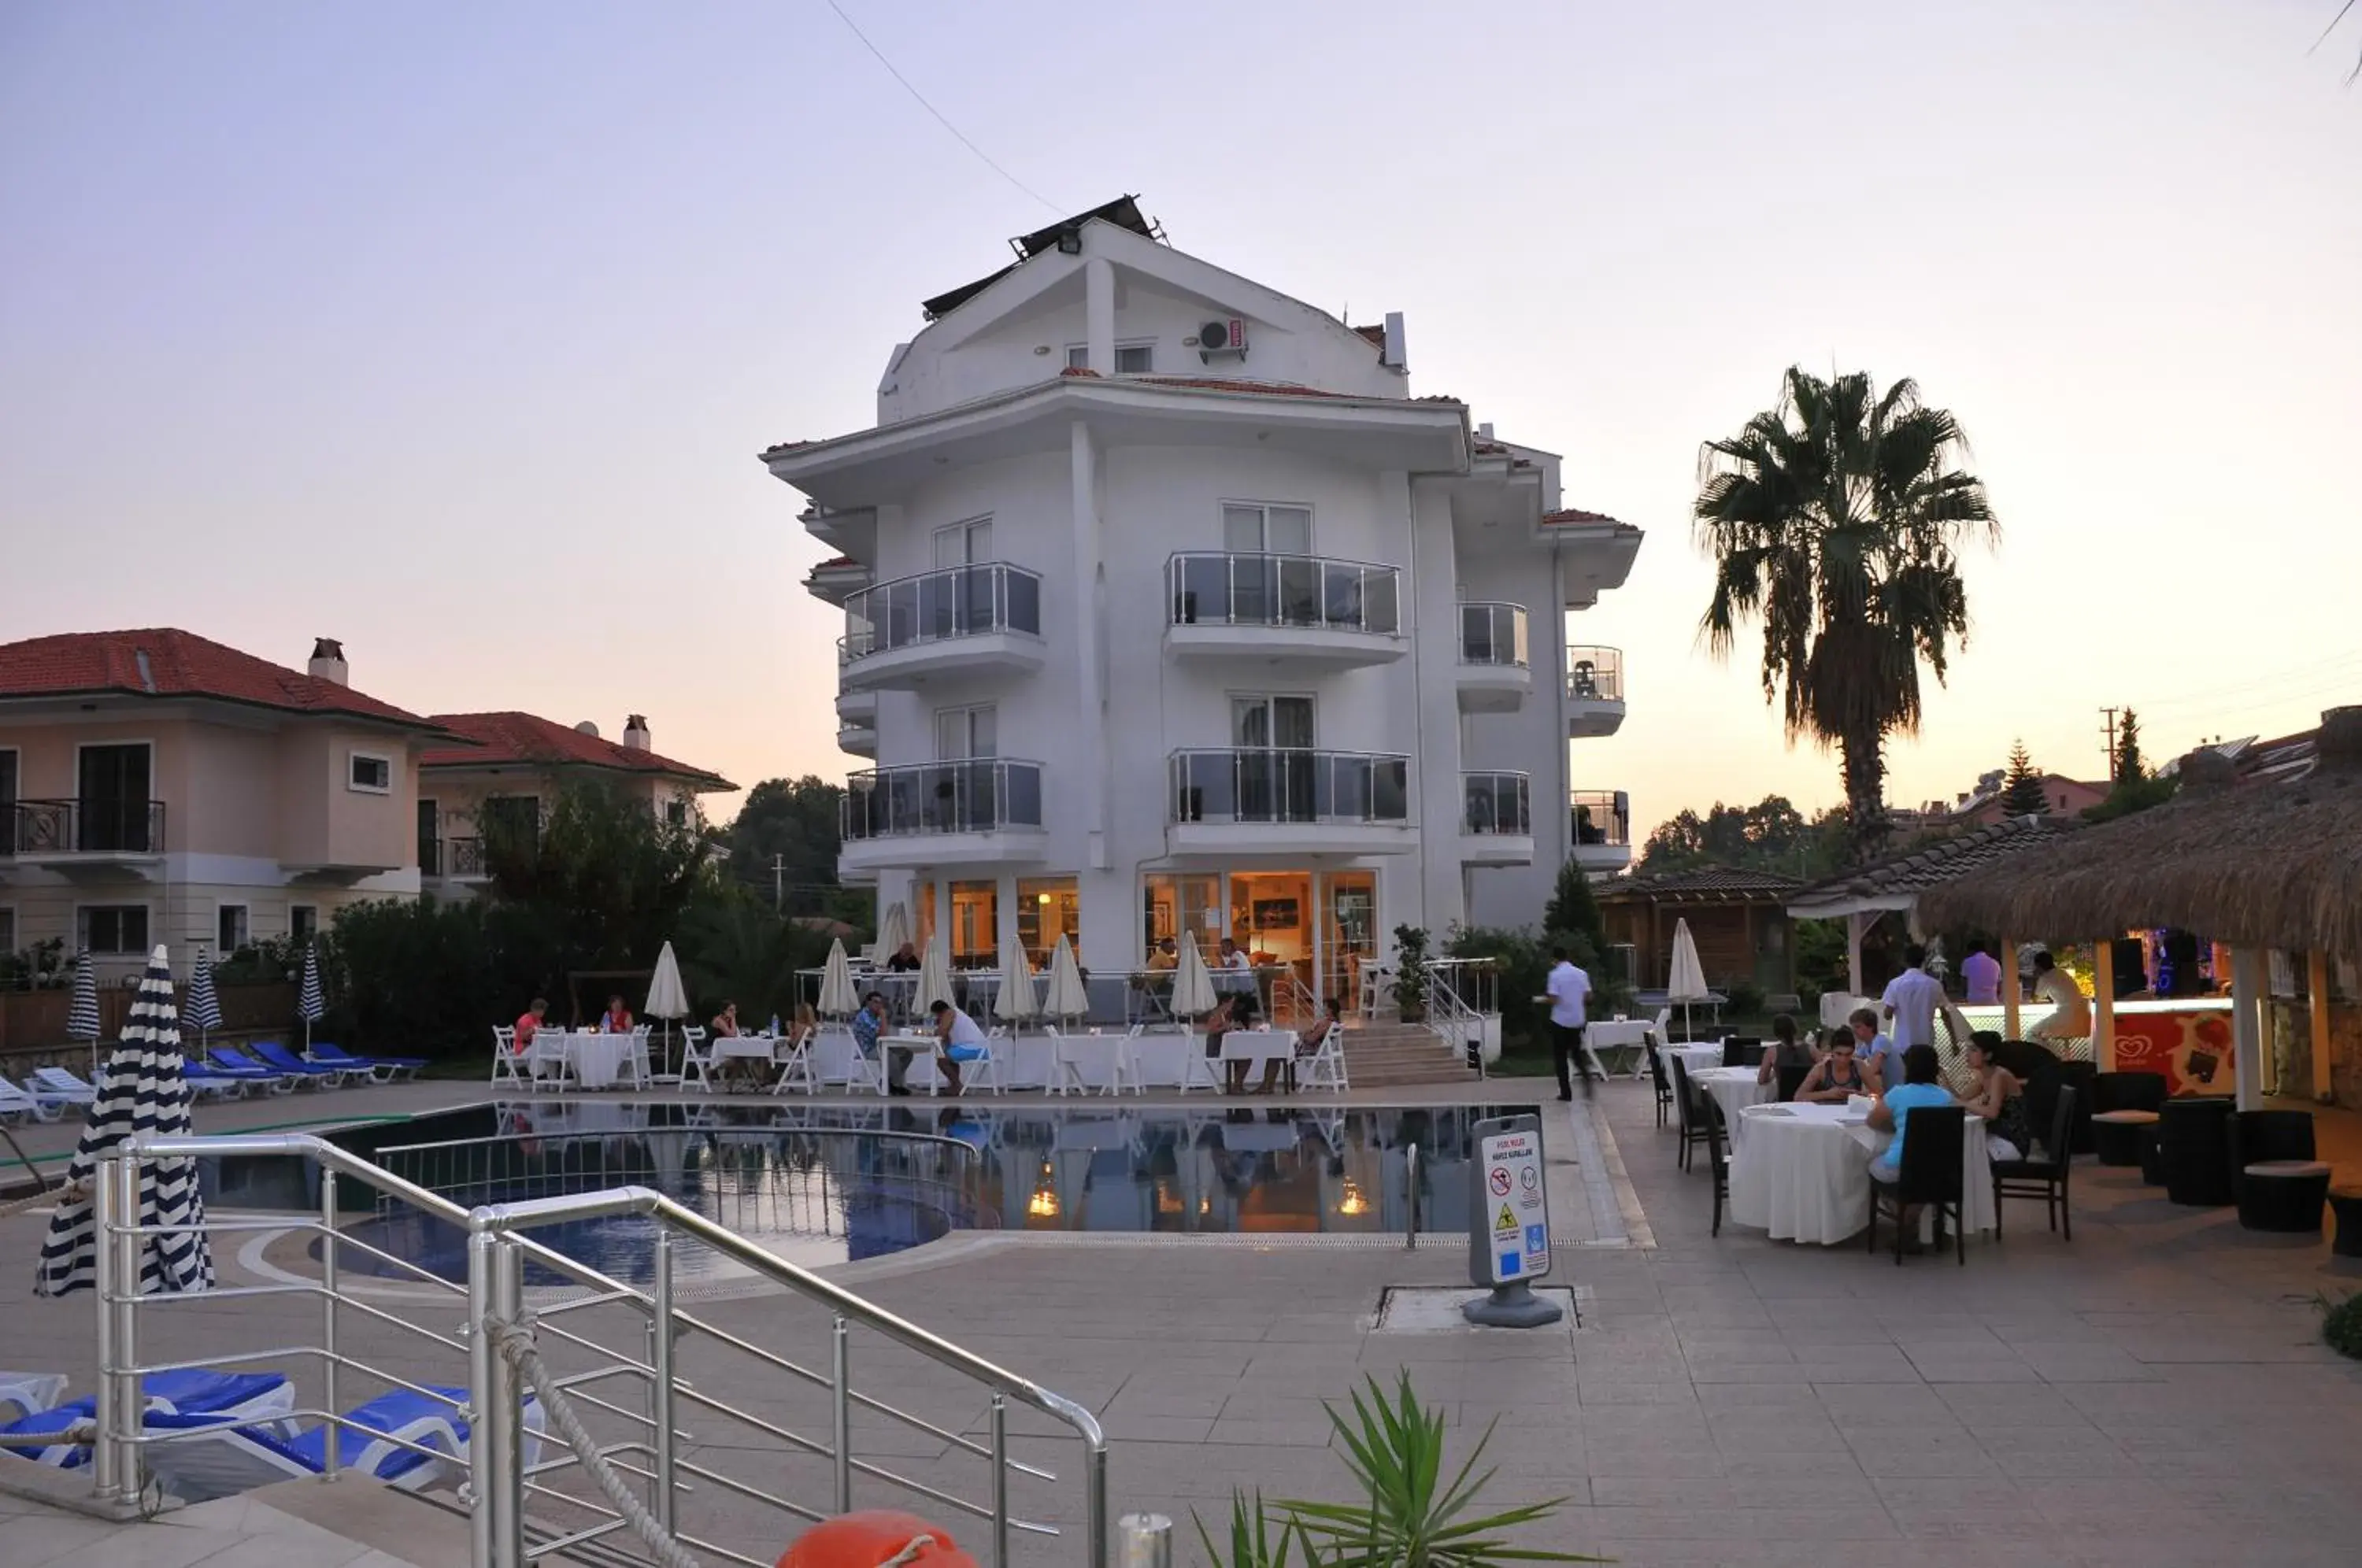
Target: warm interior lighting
point(1349, 1202)
point(1044, 1204)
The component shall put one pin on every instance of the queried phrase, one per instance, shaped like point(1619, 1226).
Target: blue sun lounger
point(274, 1055)
point(383, 1069)
point(194, 1392)
point(384, 1441)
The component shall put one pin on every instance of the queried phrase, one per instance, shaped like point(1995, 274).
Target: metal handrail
point(1594, 674)
point(965, 601)
point(1410, 1169)
point(1493, 632)
point(1254, 588)
point(972, 795)
point(1600, 817)
point(1287, 784)
point(497, 1249)
point(1496, 801)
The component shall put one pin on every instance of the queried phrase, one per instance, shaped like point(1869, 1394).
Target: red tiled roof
point(177, 664)
point(1576, 514)
point(515, 739)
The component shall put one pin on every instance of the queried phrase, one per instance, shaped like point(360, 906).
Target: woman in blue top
point(1921, 1068)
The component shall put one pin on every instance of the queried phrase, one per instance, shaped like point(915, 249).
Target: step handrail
point(491, 1225)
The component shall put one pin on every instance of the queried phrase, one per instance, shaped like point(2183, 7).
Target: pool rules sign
point(1509, 1224)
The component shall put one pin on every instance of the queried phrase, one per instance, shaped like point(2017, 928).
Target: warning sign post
point(1509, 1225)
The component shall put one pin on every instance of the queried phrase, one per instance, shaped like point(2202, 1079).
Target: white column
point(1087, 587)
point(1098, 313)
point(1430, 621)
point(2013, 996)
point(2316, 987)
point(2104, 1004)
point(2246, 1032)
point(1855, 925)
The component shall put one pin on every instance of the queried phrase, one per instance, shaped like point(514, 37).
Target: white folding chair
point(504, 1062)
point(635, 1059)
point(984, 1073)
point(1196, 1065)
point(1123, 1063)
point(1066, 1066)
point(1373, 989)
point(695, 1060)
point(547, 1060)
point(796, 1069)
point(1325, 1069)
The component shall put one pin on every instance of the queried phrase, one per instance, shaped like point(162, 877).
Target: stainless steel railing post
point(841, 1397)
point(130, 1406)
point(1094, 1503)
point(328, 1317)
point(1000, 1481)
point(1410, 1237)
point(1145, 1541)
point(495, 1458)
point(660, 1361)
point(107, 1454)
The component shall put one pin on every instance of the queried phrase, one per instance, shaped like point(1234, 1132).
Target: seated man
point(866, 1026)
point(905, 960)
point(1307, 1045)
point(1881, 1057)
point(1921, 1068)
point(1164, 957)
point(957, 1039)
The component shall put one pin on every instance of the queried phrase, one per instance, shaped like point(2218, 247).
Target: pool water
point(821, 1185)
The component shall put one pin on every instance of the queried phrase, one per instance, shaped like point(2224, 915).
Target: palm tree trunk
point(1867, 825)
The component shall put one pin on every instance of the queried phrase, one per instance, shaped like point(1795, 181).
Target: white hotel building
point(1169, 607)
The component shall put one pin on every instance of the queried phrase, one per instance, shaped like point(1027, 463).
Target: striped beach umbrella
point(82, 1011)
point(142, 1091)
point(311, 1002)
point(204, 1012)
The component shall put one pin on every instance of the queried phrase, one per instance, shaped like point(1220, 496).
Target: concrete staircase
point(1385, 1055)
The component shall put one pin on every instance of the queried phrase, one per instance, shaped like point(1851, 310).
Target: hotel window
point(975, 925)
point(964, 544)
point(1130, 359)
point(369, 773)
point(303, 921)
point(7, 798)
point(962, 733)
point(1175, 905)
point(113, 928)
point(1261, 722)
point(675, 812)
point(1047, 909)
point(1256, 528)
point(922, 917)
point(229, 929)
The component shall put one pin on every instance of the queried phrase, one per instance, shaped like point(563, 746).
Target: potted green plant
point(1410, 972)
point(1409, 1515)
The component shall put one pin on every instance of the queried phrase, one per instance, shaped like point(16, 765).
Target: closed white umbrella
point(1067, 996)
point(838, 996)
point(934, 978)
point(1015, 1004)
point(667, 998)
point(1193, 989)
point(1686, 984)
point(893, 931)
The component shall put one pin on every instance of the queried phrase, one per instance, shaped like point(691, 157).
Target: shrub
point(2341, 1326)
point(1746, 999)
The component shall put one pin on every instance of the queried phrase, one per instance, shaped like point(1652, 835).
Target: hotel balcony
point(856, 723)
point(453, 860)
point(1594, 692)
point(100, 837)
point(1496, 824)
point(986, 616)
point(1493, 673)
point(1302, 609)
point(985, 810)
point(1281, 800)
point(1599, 831)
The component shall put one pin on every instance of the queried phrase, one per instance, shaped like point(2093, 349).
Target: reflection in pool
point(826, 1184)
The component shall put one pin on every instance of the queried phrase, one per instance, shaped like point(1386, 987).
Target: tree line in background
point(577, 906)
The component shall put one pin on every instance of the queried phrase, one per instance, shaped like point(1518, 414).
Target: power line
point(940, 120)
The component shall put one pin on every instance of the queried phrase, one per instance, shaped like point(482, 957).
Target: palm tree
point(1837, 517)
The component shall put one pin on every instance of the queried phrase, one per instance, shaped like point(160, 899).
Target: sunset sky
point(453, 331)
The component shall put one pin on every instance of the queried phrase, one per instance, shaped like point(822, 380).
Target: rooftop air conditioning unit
point(1225, 337)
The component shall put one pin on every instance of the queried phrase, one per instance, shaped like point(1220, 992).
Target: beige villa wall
point(367, 829)
point(232, 795)
point(457, 794)
point(181, 915)
point(48, 768)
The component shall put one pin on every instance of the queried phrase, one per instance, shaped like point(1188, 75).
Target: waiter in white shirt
point(1911, 1001)
point(2070, 1010)
point(1570, 1000)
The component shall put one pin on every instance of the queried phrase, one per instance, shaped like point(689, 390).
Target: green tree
point(788, 831)
point(1836, 518)
point(1571, 910)
point(1770, 835)
point(602, 877)
point(2021, 794)
point(2129, 768)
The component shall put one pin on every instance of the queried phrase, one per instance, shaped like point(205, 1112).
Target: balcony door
point(114, 795)
point(958, 794)
point(1265, 591)
point(430, 839)
point(955, 602)
point(1274, 759)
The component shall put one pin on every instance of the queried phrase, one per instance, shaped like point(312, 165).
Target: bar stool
point(2346, 1202)
point(2123, 1137)
point(2194, 1151)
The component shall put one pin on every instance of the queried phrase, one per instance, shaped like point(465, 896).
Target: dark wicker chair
point(1932, 1141)
point(2044, 1178)
point(2194, 1150)
point(2127, 1091)
point(1717, 1157)
point(1742, 1050)
point(2278, 1181)
point(1686, 1101)
point(1789, 1080)
point(1664, 1089)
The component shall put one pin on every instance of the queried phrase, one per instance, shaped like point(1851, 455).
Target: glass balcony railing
point(1602, 817)
point(1493, 634)
point(1285, 785)
point(1594, 675)
point(98, 825)
point(1305, 592)
point(977, 795)
point(935, 606)
point(1498, 802)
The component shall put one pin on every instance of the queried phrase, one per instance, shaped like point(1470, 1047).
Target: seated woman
point(1836, 1076)
point(618, 1017)
point(1233, 1011)
point(1921, 1068)
point(1999, 1098)
point(1786, 1051)
point(725, 1023)
point(1307, 1045)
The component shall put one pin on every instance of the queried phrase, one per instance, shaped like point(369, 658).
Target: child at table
point(1786, 1051)
point(1836, 1076)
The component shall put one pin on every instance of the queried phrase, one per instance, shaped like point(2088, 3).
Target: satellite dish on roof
point(586, 728)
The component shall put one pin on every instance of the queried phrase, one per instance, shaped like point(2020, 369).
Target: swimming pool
point(827, 1184)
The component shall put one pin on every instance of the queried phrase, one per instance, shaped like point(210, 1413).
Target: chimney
point(636, 732)
point(1393, 355)
point(328, 661)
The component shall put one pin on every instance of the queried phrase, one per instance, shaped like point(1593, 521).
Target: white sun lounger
point(24, 1394)
point(15, 1101)
point(58, 1083)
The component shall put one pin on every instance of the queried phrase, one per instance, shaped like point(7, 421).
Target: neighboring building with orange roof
point(517, 763)
point(156, 786)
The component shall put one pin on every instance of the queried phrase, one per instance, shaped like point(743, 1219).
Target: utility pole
point(2109, 732)
point(778, 883)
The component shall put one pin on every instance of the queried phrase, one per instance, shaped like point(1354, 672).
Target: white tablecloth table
point(1695, 1057)
point(1629, 1034)
point(1801, 1172)
point(748, 1047)
point(595, 1060)
point(1734, 1089)
point(1028, 1061)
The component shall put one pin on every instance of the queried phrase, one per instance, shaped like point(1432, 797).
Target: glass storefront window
point(1172, 905)
point(1348, 930)
point(975, 925)
point(923, 916)
point(1047, 909)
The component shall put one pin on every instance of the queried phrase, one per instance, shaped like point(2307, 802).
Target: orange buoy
point(875, 1538)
